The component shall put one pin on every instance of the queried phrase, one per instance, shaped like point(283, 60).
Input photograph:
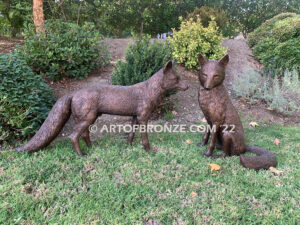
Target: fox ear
point(168, 66)
point(224, 61)
point(201, 59)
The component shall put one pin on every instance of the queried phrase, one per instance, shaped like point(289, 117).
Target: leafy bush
point(265, 29)
point(206, 14)
point(193, 38)
point(283, 96)
point(277, 42)
point(264, 51)
point(287, 29)
point(143, 59)
point(287, 54)
point(25, 99)
point(65, 49)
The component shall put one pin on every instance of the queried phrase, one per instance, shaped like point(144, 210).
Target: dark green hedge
point(25, 99)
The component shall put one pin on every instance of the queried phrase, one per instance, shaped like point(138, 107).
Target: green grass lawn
point(121, 184)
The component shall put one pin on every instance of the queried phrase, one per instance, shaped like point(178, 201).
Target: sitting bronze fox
point(87, 104)
point(220, 113)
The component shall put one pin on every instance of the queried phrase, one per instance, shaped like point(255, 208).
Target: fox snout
point(208, 84)
point(207, 87)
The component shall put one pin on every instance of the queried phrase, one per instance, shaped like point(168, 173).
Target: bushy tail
point(51, 127)
point(264, 159)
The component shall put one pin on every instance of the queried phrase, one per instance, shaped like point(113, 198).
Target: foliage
point(65, 50)
point(205, 13)
point(282, 96)
point(25, 99)
point(162, 17)
point(247, 85)
point(143, 59)
point(193, 38)
point(117, 18)
point(277, 42)
point(251, 14)
point(264, 51)
point(14, 14)
point(266, 28)
point(127, 185)
point(4, 27)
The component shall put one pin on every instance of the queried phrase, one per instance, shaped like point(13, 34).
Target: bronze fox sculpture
point(220, 113)
point(87, 104)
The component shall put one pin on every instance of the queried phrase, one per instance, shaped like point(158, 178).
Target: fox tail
point(264, 159)
point(51, 127)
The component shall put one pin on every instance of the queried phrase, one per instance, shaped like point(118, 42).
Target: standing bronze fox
point(87, 104)
point(220, 113)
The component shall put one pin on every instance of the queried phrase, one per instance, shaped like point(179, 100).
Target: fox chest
point(212, 105)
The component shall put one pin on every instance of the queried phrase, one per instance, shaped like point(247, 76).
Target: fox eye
point(216, 76)
point(204, 75)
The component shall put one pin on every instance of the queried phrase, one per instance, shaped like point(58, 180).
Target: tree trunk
point(119, 32)
point(38, 16)
point(142, 28)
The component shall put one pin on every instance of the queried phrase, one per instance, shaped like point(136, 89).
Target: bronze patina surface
point(85, 105)
point(222, 115)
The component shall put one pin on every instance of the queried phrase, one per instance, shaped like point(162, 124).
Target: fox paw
point(207, 154)
point(201, 144)
point(83, 155)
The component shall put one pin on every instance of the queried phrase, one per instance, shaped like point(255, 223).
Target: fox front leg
point(214, 138)
point(205, 138)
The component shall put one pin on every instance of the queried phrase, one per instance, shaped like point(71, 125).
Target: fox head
point(171, 79)
point(212, 72)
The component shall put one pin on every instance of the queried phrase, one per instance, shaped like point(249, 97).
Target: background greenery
point(193, 38)
point(281, 95)
point(121, 184)
point(64, 50)
point(124, 184)
point(143, 59)
point(118, 18)
point(25, 99)
point(206, 14)
point(276, 43)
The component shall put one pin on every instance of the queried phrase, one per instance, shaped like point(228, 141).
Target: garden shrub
point(287, 54)
point(265, 29)
point(264, 50)
point(276, 42)
point(206, 13)
point(65, 50)
point(25, 99)
point(193, 38)
point(281, 95)
point(287, 29)
point(143, 59)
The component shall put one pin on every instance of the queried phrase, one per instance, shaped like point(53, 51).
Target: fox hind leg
point(132, 134)
point(227, 143)
point(86, 137)
point(80, 128)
